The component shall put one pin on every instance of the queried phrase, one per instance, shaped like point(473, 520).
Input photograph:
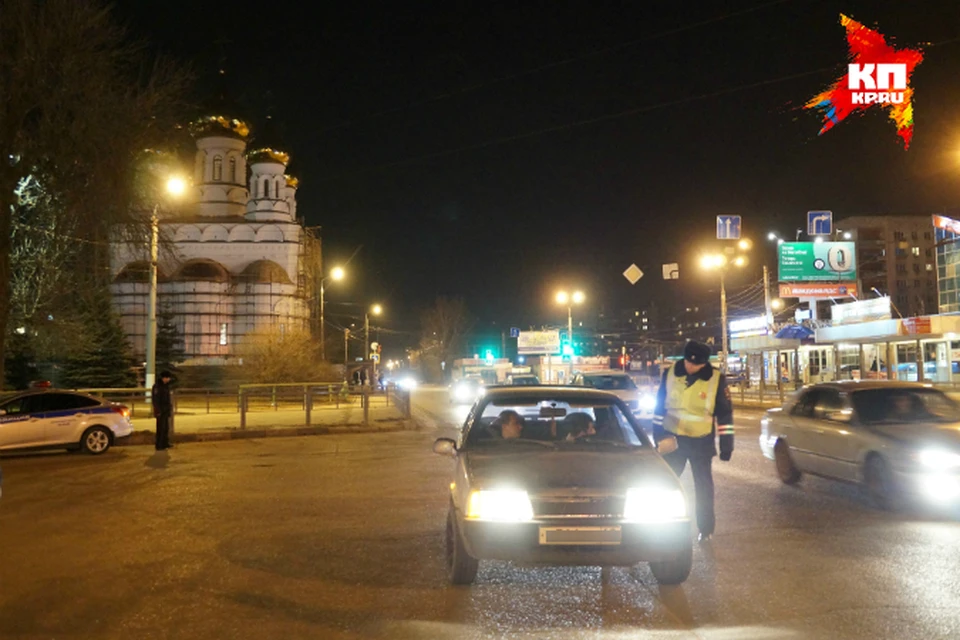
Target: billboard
point(861, 311)
point(821, 291)
point(531, 343)
point(746, 327)
point(817, 262)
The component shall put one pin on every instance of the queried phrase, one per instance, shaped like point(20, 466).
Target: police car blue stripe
point(73, 412)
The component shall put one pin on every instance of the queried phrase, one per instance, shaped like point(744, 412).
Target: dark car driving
point(561, 476)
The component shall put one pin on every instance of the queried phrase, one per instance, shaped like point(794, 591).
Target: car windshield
point(904, 405)
point(610, 383)
point(524, 380)
point(554, 422)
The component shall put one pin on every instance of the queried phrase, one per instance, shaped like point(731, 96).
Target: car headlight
point(938, 459)
point(408, 383)
point(500, 506)
point(648, 402)
point(654, 504)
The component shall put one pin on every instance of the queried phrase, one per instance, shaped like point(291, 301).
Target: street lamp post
point(336, 274)
point(175, 187)
point(375, 310)
point(576, 297)
point(720, 263)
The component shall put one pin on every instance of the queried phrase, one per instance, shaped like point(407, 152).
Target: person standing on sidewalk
point(693, 407)
point(162, 399)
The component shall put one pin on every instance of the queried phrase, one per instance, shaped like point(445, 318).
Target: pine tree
point(20, 363)
point(103, 359)
point(169, 342)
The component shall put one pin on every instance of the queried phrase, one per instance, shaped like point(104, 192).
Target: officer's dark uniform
point(162, 410)
point(694, 409)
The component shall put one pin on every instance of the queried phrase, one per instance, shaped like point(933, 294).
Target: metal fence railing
point(249, 398)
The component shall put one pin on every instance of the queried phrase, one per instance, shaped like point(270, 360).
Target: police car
point(61, 419)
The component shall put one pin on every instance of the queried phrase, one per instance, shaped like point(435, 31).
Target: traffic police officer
point(693, 407)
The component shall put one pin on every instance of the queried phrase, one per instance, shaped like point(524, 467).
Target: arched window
point(217, 168)
point(266, 188)
point(233, 170)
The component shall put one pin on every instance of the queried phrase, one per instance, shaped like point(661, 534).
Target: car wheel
point(95, 440)
point(879, 483)
point(461, 567)
point(674, 571)
point(786, 469)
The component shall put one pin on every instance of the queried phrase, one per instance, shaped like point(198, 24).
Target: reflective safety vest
point(689, 410)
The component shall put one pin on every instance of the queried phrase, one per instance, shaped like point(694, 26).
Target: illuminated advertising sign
point(817, 262)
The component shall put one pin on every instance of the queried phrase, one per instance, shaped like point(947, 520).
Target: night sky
point(496, 151)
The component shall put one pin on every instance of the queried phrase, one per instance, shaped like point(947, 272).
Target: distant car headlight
point(408, 383)
point(654, 504)
point(503, 505)
point(461, 391)
point(938, 459)
point(648, 402)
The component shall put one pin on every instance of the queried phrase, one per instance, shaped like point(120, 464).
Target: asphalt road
point(341, 537)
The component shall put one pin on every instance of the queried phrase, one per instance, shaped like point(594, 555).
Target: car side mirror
point(445, 447)
point(839, 416)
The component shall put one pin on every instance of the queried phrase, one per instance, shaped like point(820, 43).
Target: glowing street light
point(175, 187)
point(776, 304)
point(718, 261)
point(337, 273)
point(568, 299)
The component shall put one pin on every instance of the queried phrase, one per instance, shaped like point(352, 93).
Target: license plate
point(580, 535)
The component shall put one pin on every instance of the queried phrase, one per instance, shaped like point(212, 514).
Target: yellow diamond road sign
point(633, 274)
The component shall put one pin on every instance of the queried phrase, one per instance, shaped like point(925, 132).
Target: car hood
point(550, 470)
point(947, 434)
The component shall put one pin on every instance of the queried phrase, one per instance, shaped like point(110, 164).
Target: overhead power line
point(551, 65)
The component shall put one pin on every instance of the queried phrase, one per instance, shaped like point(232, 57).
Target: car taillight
point(122, 410)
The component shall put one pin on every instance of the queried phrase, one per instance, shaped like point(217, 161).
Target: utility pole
point(768, 309)
point(570, 337)
point(323, 341)
point(723, 320)
point(151, 346)
point(346, 349)
point(366, 335)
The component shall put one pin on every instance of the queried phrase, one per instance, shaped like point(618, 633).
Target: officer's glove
point(726, 444)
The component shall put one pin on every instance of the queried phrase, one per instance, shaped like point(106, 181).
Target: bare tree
point(443, 335)
point(79, 104)
point(290, 355)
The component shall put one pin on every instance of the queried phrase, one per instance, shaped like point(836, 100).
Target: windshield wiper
point(549, 445)
point(612, 443)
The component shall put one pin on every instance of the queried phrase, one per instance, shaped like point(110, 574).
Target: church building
point(234, 257)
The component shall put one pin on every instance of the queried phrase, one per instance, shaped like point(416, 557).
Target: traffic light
point(488, 356)
point(567, 349)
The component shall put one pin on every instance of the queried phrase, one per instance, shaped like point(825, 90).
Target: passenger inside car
point(575, 426)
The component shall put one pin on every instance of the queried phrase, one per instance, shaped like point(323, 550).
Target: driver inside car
point(511, 424)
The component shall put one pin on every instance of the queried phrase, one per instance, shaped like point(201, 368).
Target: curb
point(148, 437)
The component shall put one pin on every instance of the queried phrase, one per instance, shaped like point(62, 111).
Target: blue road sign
point(728, 227)
point(514, 332)
point(819, 223)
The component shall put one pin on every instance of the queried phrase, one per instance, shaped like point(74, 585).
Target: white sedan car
point(898, 440)
point(642, 401)
point(61, 419)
